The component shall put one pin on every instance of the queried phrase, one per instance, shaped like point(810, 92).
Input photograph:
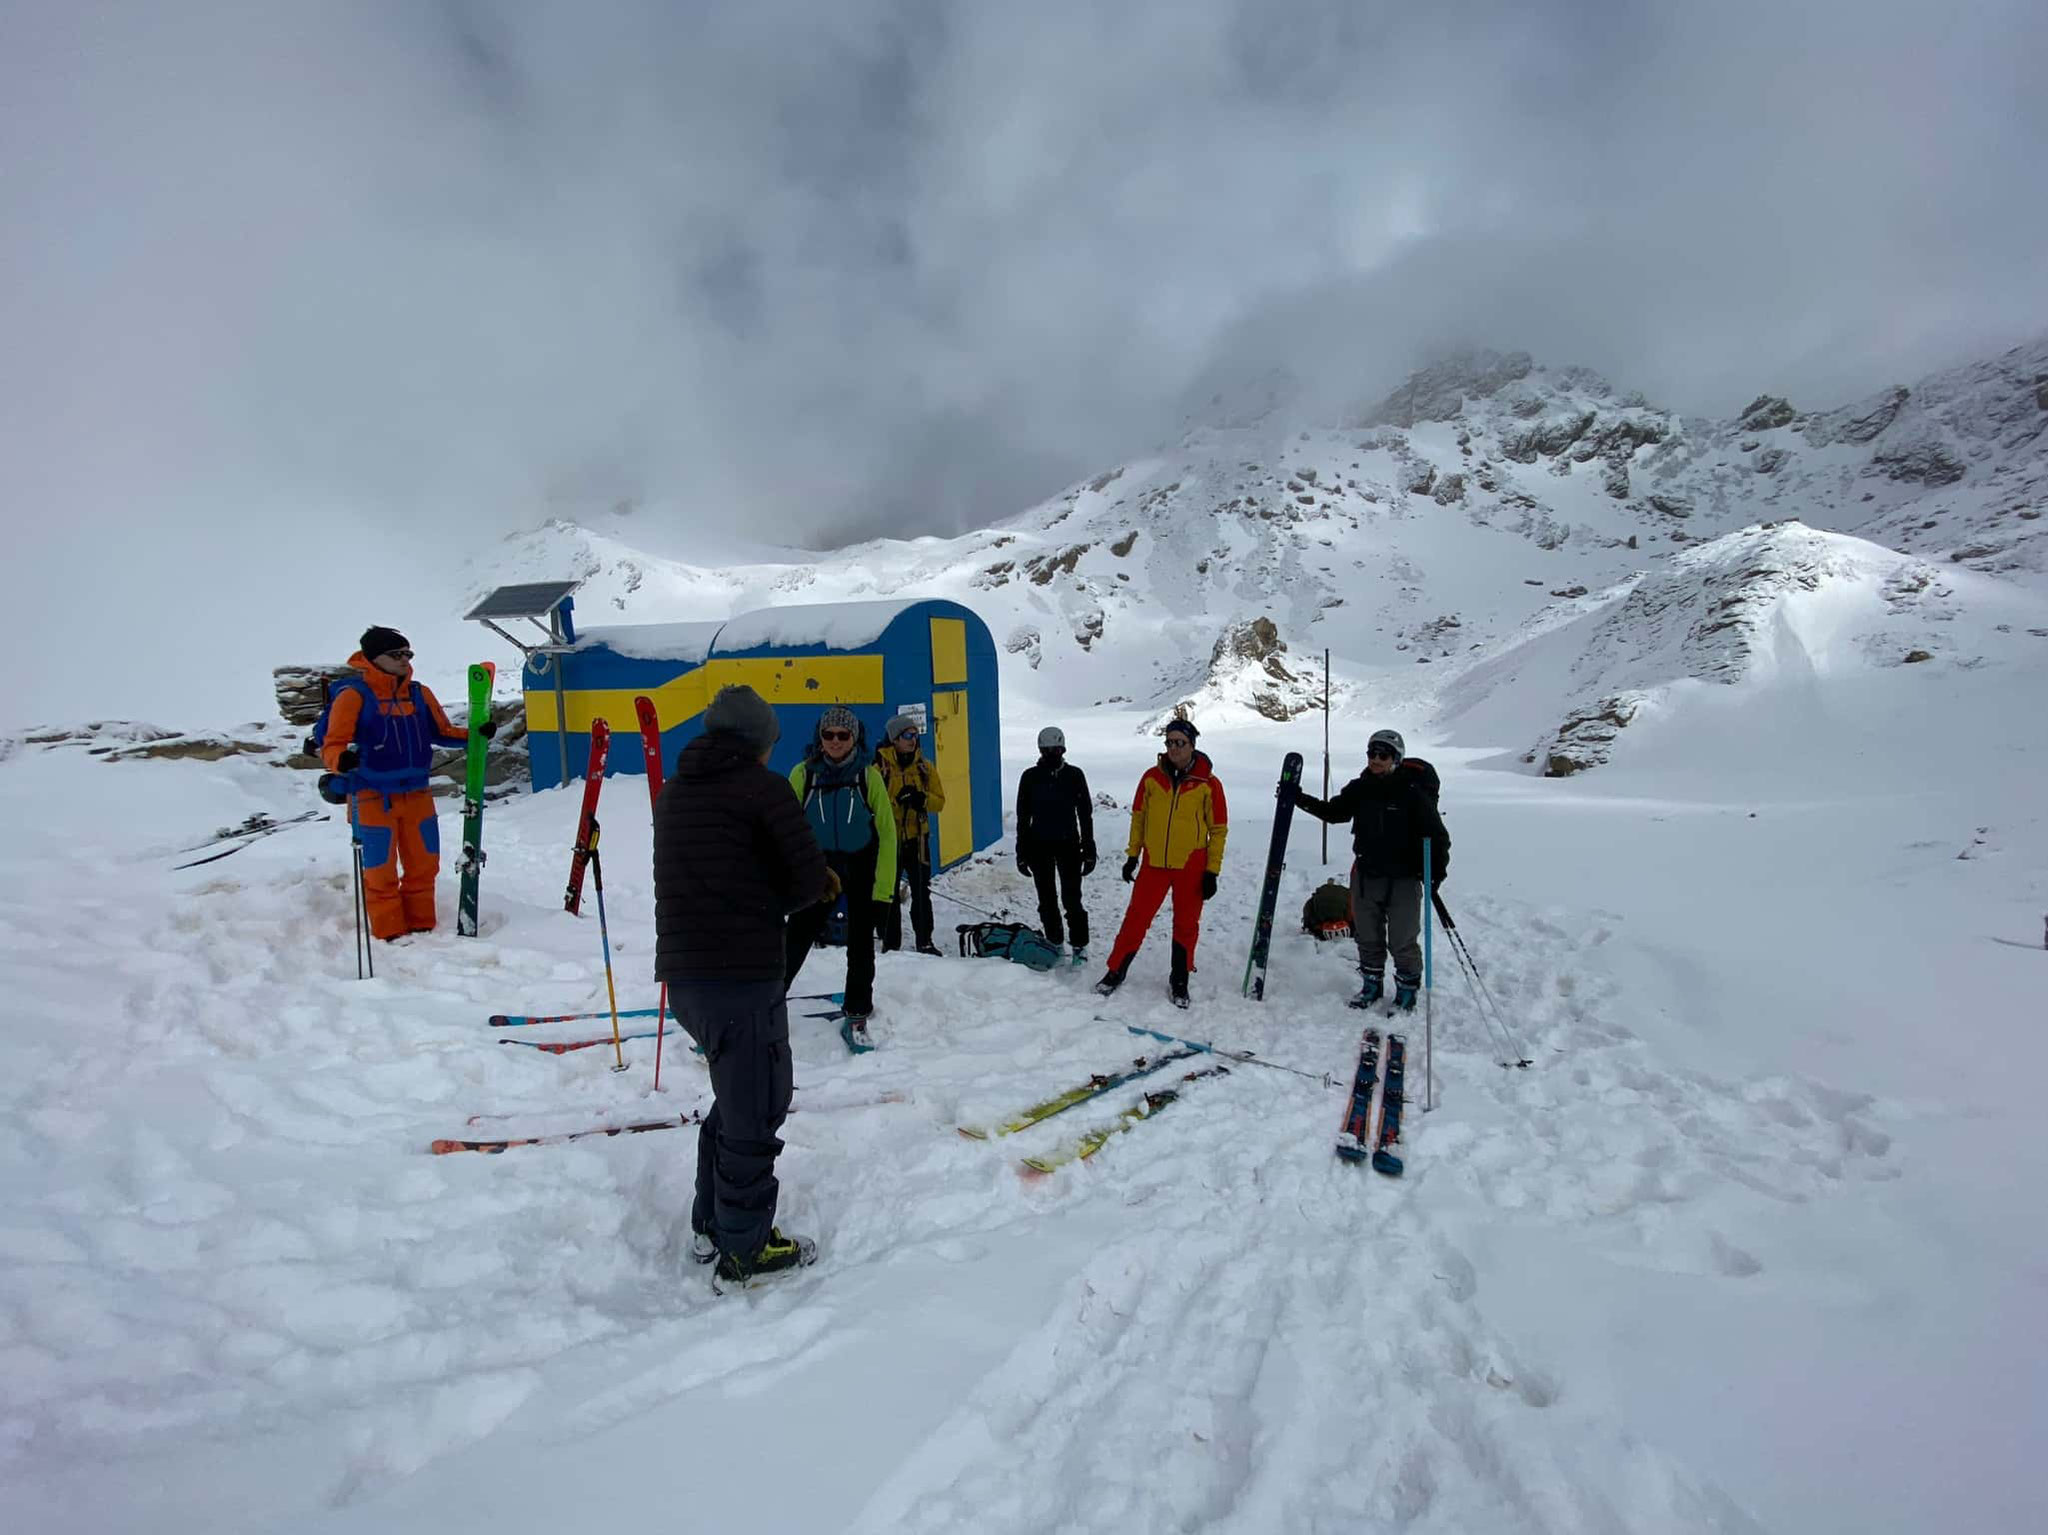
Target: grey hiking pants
point(744, 1029)
point(1386, 917)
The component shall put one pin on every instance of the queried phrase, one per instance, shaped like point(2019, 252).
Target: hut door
point(956, 770)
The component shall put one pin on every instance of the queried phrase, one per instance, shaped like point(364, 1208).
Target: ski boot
point(1112, 978)
point(1369, 993)
point(1080, 956)
point(776, 1255)
point(703, 1247)
point(926, 946)
point(853, 1028)
point(1404, 994)
point(1177, 978)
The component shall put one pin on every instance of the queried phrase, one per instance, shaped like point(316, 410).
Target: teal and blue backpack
point(1008, 940)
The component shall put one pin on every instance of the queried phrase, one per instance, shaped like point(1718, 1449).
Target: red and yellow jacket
point(1175, 823)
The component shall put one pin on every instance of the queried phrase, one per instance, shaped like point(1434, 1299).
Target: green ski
point(472, 865)
point(1094, 1087)
point(1086, 1146)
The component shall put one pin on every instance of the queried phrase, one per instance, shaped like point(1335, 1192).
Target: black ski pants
point(744, 1029)
point(856, 873)
point(910, 867)
point(1063, 864)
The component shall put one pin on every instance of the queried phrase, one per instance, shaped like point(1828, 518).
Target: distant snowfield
point(1754, 1244)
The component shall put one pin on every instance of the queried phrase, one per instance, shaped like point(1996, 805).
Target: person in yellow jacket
point(848, 811)
point(1179, 821)
point(917, 793)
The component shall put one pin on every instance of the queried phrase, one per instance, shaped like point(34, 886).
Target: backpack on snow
point(1008, 940)
point(1327, 912)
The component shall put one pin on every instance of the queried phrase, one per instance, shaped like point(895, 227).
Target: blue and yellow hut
point(932, 659)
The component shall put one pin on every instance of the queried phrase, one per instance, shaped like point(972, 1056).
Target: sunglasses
point(1180, 741)
point(908, 735)
point(1380, 751)
point(403, 655)
point(835, 735)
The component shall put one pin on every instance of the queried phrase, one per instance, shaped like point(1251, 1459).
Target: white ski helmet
point(1052, 739)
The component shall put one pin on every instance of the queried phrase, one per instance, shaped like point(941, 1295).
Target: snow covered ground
point(1754, 1244)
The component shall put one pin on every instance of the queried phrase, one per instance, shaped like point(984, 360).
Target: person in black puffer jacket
point(1056, 838)
point(733, 858)
point(1391, 807)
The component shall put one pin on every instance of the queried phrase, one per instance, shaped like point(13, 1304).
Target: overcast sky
point(301, 302)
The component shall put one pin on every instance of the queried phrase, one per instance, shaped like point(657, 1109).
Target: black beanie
point(1186, 727)
point(739, 709)
point(380, 641)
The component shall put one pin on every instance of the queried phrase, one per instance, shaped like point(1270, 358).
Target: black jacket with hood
point(733, 857)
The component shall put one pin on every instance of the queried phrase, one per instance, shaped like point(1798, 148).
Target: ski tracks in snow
point(1212, 1324)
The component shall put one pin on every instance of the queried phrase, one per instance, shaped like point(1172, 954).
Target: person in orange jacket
point(1179, 821)
point(382, 728)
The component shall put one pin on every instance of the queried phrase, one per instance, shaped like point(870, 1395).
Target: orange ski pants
point(399, 829)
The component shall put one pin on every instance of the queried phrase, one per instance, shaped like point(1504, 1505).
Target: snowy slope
point(1781, 606)
point(1749, 1168)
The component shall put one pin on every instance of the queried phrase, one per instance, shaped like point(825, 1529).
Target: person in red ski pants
point(1179, 821)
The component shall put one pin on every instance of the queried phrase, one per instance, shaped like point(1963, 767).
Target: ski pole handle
point(1442, 912)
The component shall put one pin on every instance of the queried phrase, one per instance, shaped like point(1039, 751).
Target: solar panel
point(531, 599)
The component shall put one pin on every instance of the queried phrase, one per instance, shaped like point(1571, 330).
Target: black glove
point(349, 760)
point(912, 797)
point(1087, 860)
point(1208, 885)
point(1023, 866)
point(1130, 870)
point(487, 729)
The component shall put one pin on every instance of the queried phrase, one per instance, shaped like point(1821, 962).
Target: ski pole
point(1482, 994)
point(979, 911)
point(361, 902)
point(1428, 990)
point(604, 932)
point(1241, 1057)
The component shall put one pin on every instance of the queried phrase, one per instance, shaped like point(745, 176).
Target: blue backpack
point(1008, 940)
point(398, 755)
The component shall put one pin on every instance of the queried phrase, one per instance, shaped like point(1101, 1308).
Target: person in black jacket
point(733, 858)
point(1391, 809)
point(1056, 838)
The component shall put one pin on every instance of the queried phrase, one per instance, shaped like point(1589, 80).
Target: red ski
point(650, 743)
point(443, 1147)
point(650, 755)
point(593, 782)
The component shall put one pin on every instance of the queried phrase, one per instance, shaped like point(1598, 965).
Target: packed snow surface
point(1752, 1244)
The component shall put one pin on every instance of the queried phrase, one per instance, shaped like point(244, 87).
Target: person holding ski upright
point(1179, 821)
point(916, 793)
point(733, 857)
point(1056, 839)
point(848, 807)
point(1391, 807)
point(378, 737)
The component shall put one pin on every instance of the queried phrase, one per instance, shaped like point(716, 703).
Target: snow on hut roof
point(654, 642)
point(834, 625)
